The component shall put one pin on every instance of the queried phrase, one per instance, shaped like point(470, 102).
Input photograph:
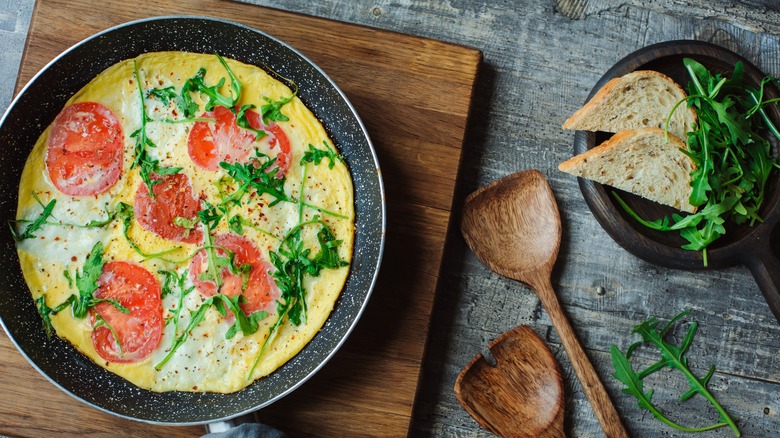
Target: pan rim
point(380, 225)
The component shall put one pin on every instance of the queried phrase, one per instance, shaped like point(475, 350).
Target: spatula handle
point(597, 395)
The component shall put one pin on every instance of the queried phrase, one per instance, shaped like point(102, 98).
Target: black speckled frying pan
point(757, 247)
point(39, 103)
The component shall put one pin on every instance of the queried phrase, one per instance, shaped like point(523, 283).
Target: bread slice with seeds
point(645, 162)
point(641, 99)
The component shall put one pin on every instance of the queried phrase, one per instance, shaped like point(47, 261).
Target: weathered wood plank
point(540, 61)
point(368, 388)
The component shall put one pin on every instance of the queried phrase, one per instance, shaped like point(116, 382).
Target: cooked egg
point(211, 358)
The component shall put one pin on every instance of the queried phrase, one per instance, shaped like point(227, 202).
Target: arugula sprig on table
point(733, 159)
point(673, 357)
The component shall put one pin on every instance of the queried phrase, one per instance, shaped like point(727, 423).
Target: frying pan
point(757, 247)
point(38, 104)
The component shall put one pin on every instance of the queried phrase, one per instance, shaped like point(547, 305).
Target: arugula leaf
point(125, 212)
point(165, 95)
point(45, 311)
point(172, 278)
point(314, 155)
point(86, 283)
point(197, 83)
point(672, 356)
point(292, 261)
point(86, 280)
point(243, 122)
point(236, 224)
point(147, 165)
point(101, 322)
point(328, 257)
point(247, 324)
point(37, 224)
point(272, 110)
point(211, 215)
point(733, 159)
point(258, 175)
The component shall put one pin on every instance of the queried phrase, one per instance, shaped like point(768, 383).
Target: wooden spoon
point(522, 395)
point(514, 228)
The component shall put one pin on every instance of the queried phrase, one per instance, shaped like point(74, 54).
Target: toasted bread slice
point(645, 162)
point(641, 99)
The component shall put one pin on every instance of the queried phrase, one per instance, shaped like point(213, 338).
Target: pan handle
point(242, 426)
point(765, 267)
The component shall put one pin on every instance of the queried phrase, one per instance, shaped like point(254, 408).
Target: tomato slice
point(277, 138)
point(210, 143)
point(260, 290)
point(133, 336)
point(172, 198)
point(84, 154)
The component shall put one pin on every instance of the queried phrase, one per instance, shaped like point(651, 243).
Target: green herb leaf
point(86, 280)
point(86, 283)
point(733, 159)
point(125, 213)
point(672, 356)
point(45, 311)
point(37, 224)
point(247, 324)
point(165, 95)
point(101, 322)
point(258, 173)
point(314, 155)
point(147, 165)
point(272, 110)
point(243, 122)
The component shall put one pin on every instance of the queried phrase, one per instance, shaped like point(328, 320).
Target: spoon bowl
point(525, 381)
point(514, 228)
point(516, 217)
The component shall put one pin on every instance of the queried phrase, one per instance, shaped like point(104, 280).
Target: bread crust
point(625, 138)
point(584, 118)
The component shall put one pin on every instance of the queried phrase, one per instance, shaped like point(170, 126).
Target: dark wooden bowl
point(757, 246)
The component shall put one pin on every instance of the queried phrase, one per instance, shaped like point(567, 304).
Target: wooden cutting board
point(413, 95)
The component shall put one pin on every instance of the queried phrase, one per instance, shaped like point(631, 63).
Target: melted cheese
point(207, 361)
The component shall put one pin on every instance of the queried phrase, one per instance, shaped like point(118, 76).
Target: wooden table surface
point(369, 386)
point(541, 59)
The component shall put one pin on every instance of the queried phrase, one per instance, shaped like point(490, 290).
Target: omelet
point(185, 222)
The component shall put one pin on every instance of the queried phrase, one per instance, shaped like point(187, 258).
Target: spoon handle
point(597, 395)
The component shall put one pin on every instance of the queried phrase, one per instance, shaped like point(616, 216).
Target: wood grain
point(369, 387)
point(513, 226)
point(540, 62)
point(539, 66)
point(517, 394)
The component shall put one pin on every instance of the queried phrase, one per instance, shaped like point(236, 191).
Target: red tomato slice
point(84, 155)
point(277, 138)
point(260, 290)
point(210, 143)
point(139, 332)
point(172, 198)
